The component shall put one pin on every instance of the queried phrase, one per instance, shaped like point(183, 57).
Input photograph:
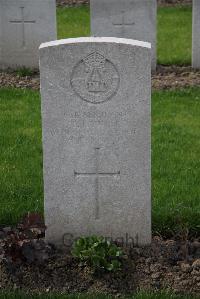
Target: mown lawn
point(175, 157)
point(175, 35)
point(73, 22)
point(176, 160)
point(174, 31)
point(21, 187)
point(95, 296)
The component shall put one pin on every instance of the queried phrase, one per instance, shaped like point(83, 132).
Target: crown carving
point(95, 60)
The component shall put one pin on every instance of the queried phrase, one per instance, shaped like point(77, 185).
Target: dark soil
point(28, 264)
point(173, 77)
point(165, 78)
point(174, 2)
point(11, 79)
point(63, 3)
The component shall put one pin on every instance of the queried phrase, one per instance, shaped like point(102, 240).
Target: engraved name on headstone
point(96, 138)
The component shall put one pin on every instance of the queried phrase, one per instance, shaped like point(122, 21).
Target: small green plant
point(98, 252)
point(25, 72)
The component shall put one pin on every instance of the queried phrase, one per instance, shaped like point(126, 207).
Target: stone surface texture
point(24, 25)
point(133, 19)
point(196, 35)
point(96, 138)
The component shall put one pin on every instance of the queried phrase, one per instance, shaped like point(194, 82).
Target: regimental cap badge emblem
point(95, 60)
point(95, 79)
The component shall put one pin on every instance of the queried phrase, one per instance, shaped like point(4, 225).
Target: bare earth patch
point(173, 77)
point(66, 3)
point(28, 264)
point(10, 79)
point(166, 77)
point(174, 2)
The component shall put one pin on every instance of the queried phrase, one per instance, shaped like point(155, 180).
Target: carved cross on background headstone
point(23, 22)
point(97, 175)
point(122, 22)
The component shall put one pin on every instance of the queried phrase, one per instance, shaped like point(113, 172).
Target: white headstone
point(135, 19)
point(196, 35)
point(24, 25)
point(96, 138)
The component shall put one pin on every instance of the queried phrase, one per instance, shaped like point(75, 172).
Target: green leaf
point(97, 252)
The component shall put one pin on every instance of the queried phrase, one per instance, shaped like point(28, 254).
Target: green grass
point(175, 35)
point(73, 22)
point(24, 71)
point(21, 154)
point(175, 157)
point(95, 296)
point(174, 30)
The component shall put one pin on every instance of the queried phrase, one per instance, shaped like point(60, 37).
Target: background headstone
point(135, 19)
point(96, 138)
point(24, 25)
point(196, 35)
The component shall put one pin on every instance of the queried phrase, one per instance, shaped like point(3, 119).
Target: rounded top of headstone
point(114, 40)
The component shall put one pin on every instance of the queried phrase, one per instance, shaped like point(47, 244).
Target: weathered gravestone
point(135, 19)
point(196, 35)
point(24, 25)
point(96, 138)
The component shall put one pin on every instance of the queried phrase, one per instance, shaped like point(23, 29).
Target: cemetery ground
point(139, 296)
point(173, 260)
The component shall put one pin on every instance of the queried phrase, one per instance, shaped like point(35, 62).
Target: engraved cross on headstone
point(97, 175)
point(123, 23)
point(23, 22)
